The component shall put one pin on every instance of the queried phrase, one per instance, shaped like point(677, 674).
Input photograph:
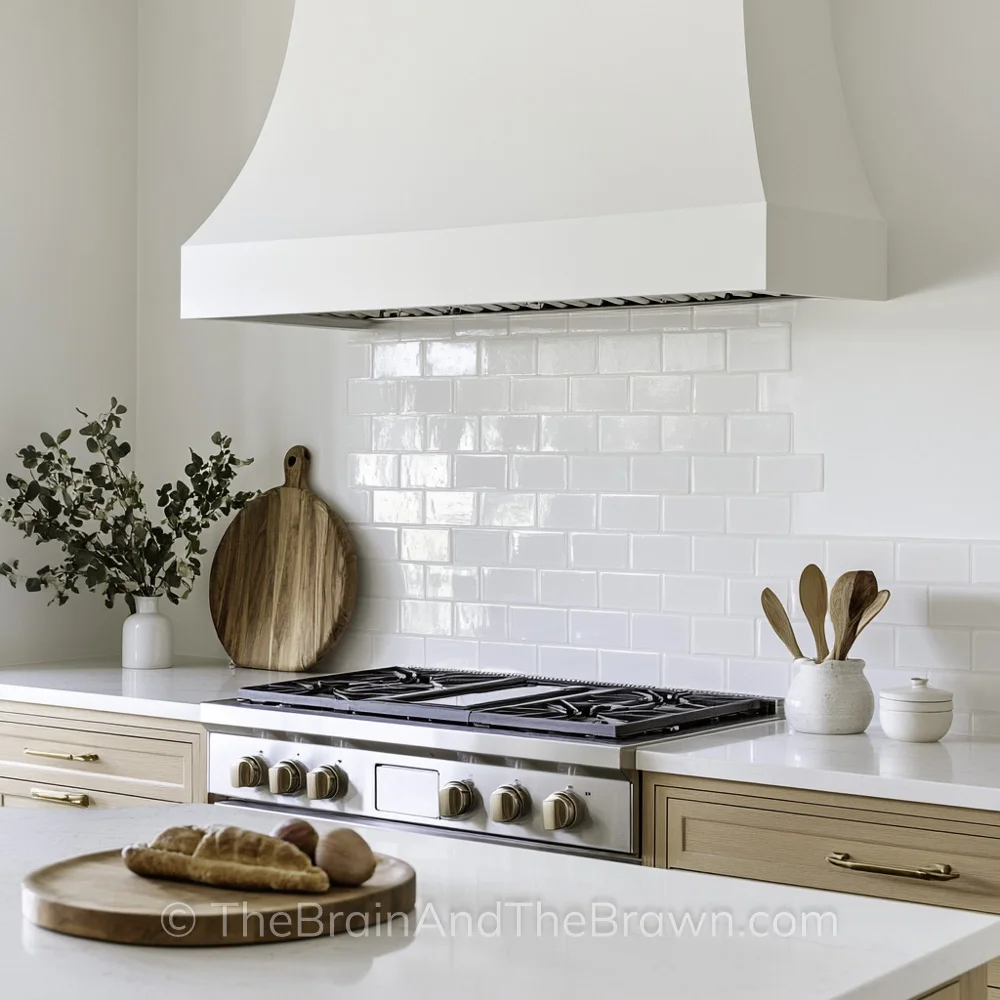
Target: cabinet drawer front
point(35, 795)
point(794, 849)
point(127, 765)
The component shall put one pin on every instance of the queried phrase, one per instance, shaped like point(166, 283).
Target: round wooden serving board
point(96, 896)
point(285, 576)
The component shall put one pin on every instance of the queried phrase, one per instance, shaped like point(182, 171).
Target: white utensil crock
point(830, 698)
point(147, 637)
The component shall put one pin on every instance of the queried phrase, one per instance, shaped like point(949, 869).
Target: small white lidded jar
point(915, 714)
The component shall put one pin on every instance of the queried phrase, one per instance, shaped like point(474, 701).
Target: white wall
point(67, 263)
point(898, 397)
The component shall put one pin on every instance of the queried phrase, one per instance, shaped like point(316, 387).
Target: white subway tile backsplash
point(932, 562)
point(453, 434)
point(567, 510)
point(356, 361)
point(787, 556)
point(661, 633)
point(572, 662)
point(396, 359)
point(398, 507)
point(482, 395)
point(661, 393)
point(480, 325)
point(694, 513)
point(769, 646)
point(907, 606)
point(624, 667)
point(660, 473)
point(508, 357)
point(367, 396)
point(725, 474)
point(382, 578)
point(694, 594)
point(481, 621)
point(634, 352)
point(724, 315)
point(924, 648)
point(568, 433)
point(725, 393)
point(723, 636)
point(964, 607)
point(766, 677)
point(540, 549)
point(760, 434)
point(397, 651)
point(372, 470)
point(628, 512)
point(744, 595)
point(985, 563)
point(629, 433)
point(510, 433)
point(537, 624)
point(876, 646)
point(453, 583)
point(504, 585)
point(598, 550)
point(790, 474)
point(661, 553)
point(534, 324)
point(425, 617)
point(482, 471)
point(767, 349)
point(660, 318)
point(567, 356)
point(704, 434)
point(566, 588)
point(722, 554)
point(630, 591)
point(425, 544)
point(694, 352)
point(598, 472)
point(398, 433)
point(426, 395)
point(599, 395)
point(453, 654)
point(508, 656)
point(376, 543)
point(508, 510)
point(538, 395)
point(450, 507)
point(476, 547)
point(429, 471)
point(705, 672)
point(450, 358)
point(986, 651)
point(759, 515)
point(598, 321)
point(843, 554)
point(607, 629)
point(538, 472)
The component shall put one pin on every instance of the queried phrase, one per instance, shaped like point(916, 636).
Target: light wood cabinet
point(874, 847)
point(59, 758)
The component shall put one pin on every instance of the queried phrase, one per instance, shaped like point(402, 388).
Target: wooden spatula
point(813, 598)
point(881, 600)
point(851, 594)
point(778, 618)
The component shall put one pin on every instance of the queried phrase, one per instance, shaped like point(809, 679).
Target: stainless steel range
point(549, 762)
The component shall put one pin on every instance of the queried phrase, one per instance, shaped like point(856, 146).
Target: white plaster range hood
point(458, 155)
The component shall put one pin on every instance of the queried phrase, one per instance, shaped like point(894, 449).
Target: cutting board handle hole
point(291, 461)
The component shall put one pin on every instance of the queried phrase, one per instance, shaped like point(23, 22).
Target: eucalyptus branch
point(101, 522)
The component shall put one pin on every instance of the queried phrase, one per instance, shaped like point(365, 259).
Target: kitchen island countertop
point(879, 950)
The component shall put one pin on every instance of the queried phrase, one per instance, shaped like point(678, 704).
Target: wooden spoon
point(851, 594)
point(778, 618)
point(881, 600)
point(813, 598)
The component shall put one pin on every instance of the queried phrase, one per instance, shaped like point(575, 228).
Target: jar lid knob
point(918, 682)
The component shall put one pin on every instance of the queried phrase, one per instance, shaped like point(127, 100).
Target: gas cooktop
point(514, 702)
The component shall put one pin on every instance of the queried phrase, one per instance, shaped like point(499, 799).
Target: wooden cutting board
point(96, 896)
point(285, 576)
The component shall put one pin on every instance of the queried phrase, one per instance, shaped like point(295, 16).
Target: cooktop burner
point(514, 702)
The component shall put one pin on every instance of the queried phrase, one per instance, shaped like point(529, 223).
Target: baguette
point(228, 857)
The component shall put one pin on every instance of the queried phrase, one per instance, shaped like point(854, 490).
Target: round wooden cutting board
point(96, 896)
point(285, 576)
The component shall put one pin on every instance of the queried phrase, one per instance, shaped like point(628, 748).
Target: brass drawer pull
point(88, 758)
point(929, 873)
point(77, 799)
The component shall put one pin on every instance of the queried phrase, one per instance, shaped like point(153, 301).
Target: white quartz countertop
point(103, 686)
point(880, 950)
point(958, 771)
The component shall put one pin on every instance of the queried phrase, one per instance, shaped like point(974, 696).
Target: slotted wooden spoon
point(851, 594)
point(778, 618)
point(813, 598)
point(881, 600)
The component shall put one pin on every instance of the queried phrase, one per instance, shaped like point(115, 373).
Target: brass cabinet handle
point(77, 799)
point(55, 755)
point(929, 873)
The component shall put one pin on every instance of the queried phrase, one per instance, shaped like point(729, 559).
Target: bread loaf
point(226, 856)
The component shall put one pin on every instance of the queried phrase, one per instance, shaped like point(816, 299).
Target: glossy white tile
point(567, 356)
point(694, 594)
point(652, 319)
point(722, 554)
point(567, 588)
point(660, 473)
point(568, 433)
point(537, 624)
point(508, 585)
point(538, 395)
point(567, 510)
point(452, 583)
point(426, 395)
point(661, 393)
point(603, 394)
point(539, 549)
point(634, 352)
point(508, 510)
point(432, 471)
point(767, 349)
point(694, 513)
point(630, 591)
point(479, 547)
point(626, 434)
point(481, 621)
point(450, 358)
point(368, 396)
point(663, 553)
point(482, 395)
point(450, 507)
point(538, 472)
point(452, 434)
point(723, 636)
point(661, 633)
point(510, 433)
point(694, 352)
point(398, 433)
point(482, 471)
point(396, 359)
point(570, 662)
point(598, 472)
point(628, 512)
point(790, 474)
point(425, 544)
point(598, 628)
point(598, 550)
point(426, 617)
point(508, 357)
point(725, 393)
point(932, 562)
point(398, 506)
point(760, 433)
point(760, 515)
point(725, 474)
point(372, 470)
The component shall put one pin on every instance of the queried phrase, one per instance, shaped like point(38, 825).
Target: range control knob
point(509, 803)
point(455, 799)
point(248, 772)
point(326, 782)
point(561, 810)
point(287, 778)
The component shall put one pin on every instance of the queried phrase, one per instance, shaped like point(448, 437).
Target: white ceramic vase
point(832, 698)
point(147, 637)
